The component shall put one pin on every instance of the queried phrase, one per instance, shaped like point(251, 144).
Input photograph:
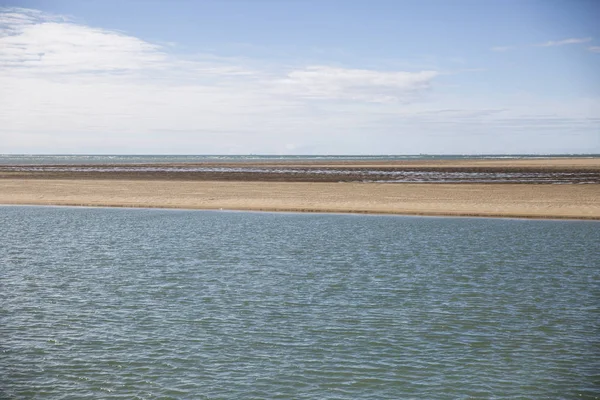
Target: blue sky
point(300, 77)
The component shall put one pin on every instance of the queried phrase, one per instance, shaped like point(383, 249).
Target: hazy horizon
point(300, 155)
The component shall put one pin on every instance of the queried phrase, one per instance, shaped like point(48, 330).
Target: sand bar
point(359, 188)
point(490, 200)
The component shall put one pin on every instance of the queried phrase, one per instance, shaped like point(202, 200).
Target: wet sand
point(568, 170)
point(489, 200)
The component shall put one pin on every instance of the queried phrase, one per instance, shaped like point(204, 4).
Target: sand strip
point(489, 200)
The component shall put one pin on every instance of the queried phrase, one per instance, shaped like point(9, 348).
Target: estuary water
point(173, 304)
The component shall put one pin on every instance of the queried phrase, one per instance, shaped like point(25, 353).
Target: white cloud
point(51, 47)
point(36, 44)
point(502, 48)
point(565, 41)
point(356, 84)
point(14, 19)
point(594, 49)
point(550, 43)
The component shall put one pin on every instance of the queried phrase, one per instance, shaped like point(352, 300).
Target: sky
point(299, 77)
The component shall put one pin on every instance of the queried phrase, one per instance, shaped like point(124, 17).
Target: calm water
point(57, 159)
point(118, 303)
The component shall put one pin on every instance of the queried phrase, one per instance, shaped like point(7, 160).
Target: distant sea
point(28, 159)
point(172, 304)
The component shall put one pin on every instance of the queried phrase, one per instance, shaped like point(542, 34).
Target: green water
point(163, 304)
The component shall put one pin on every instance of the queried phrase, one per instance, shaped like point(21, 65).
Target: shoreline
point(591, 162)
point(294, 211)
point(535, 201)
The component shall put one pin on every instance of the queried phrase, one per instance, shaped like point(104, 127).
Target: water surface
point(122, 303)
point(57, 159)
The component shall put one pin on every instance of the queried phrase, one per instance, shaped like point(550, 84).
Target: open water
point(74, 159)
point(175, 304)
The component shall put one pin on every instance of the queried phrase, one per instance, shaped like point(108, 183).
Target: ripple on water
point(102, 303)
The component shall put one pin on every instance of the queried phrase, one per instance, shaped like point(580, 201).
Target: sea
point(110, 303)
point(74, 159)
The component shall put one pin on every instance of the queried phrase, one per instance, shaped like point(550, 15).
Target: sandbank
point(580, 201)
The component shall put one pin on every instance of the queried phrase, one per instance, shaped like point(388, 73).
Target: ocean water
point(74, 159)
point(176, 304)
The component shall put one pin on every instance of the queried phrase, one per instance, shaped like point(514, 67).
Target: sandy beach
point(503, 200)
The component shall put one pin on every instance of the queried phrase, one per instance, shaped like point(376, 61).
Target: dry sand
point(497, 200)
